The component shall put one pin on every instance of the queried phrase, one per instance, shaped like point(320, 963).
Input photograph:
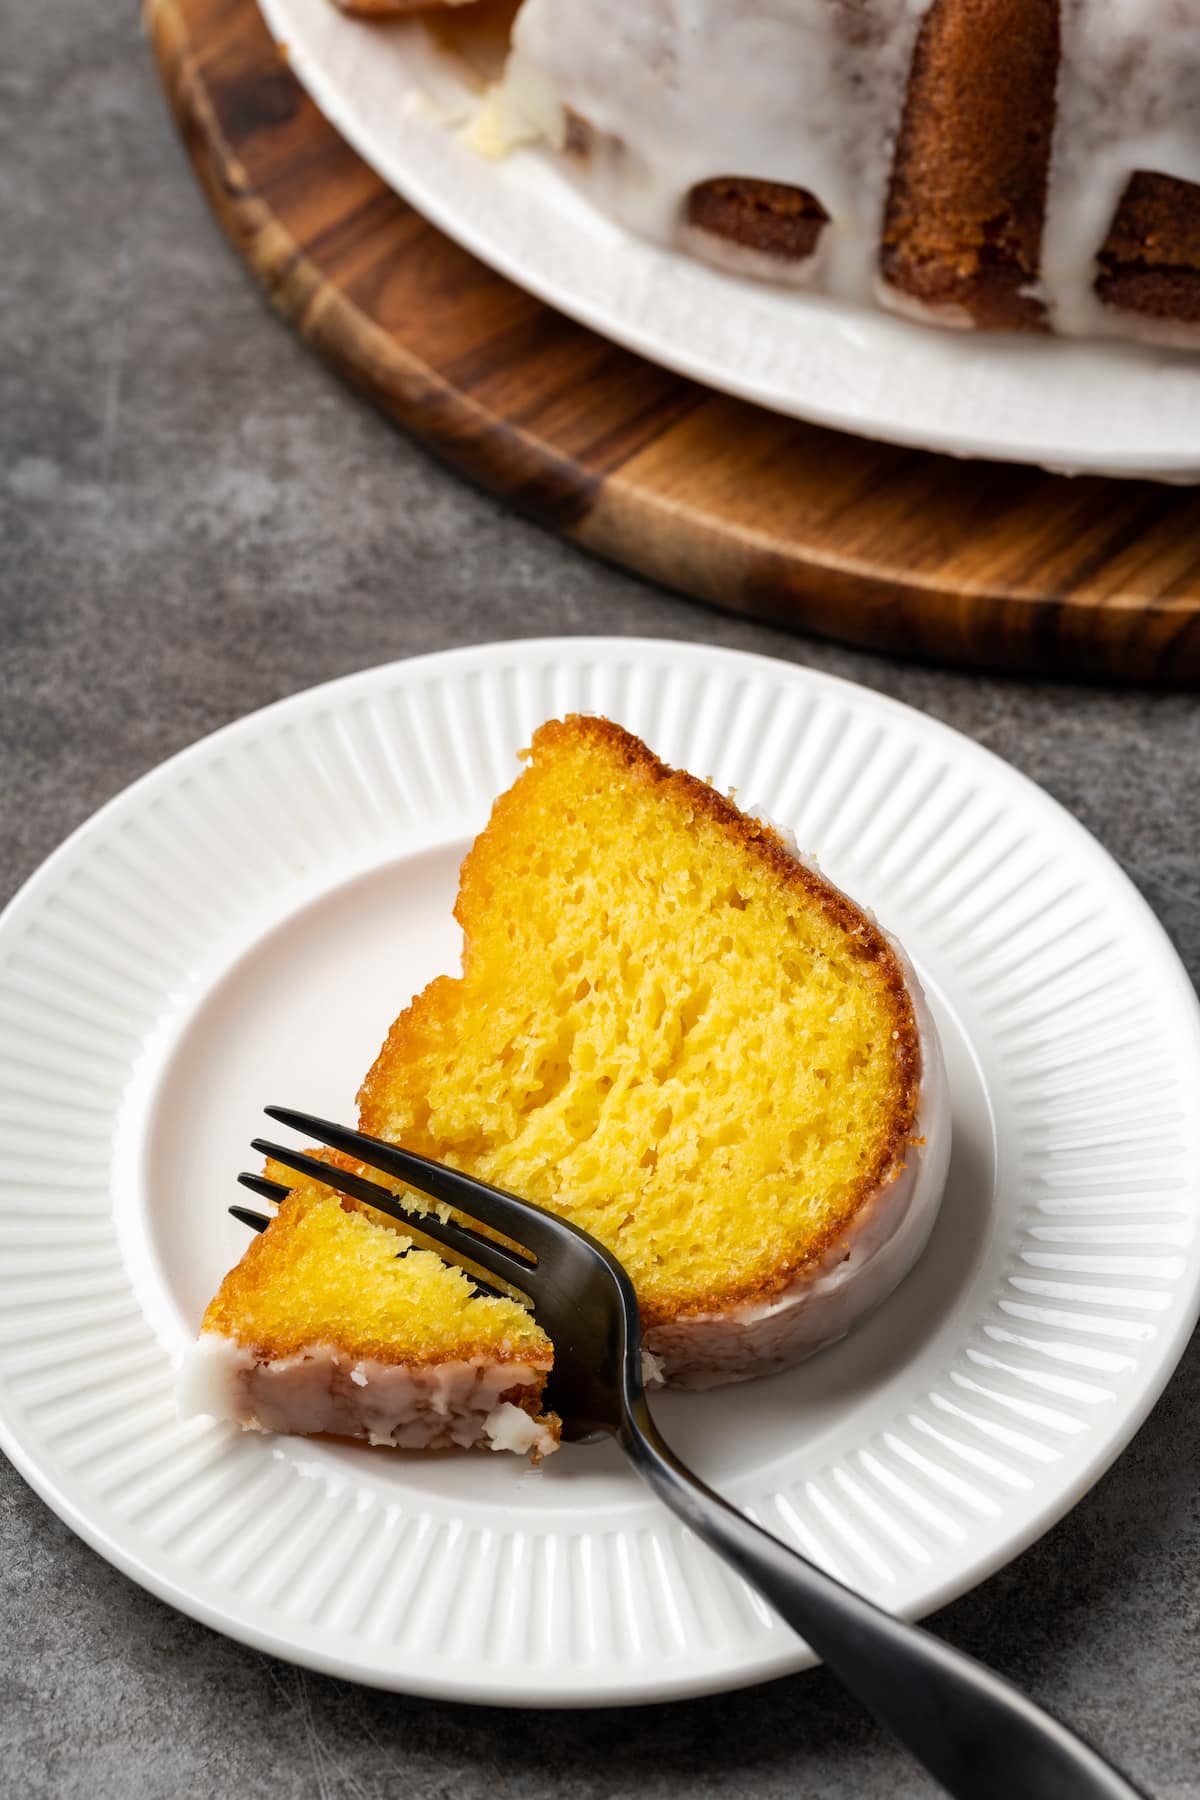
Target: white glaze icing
point(797, 91)
point(810, 92)
point(456, 1403)
point(1128, 99)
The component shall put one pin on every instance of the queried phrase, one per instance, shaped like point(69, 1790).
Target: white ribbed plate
point(1073, 406)
point(241, 926)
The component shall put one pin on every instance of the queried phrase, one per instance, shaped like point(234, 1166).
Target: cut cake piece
point(673, 1031)
point(668, 1028)
point(335, 1322)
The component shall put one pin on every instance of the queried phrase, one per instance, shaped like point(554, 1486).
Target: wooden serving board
point(985, 564)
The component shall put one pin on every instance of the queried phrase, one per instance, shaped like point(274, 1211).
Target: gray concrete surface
point(196, 519)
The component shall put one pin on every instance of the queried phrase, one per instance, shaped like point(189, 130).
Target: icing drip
point(1128, 99)
point(806, 92)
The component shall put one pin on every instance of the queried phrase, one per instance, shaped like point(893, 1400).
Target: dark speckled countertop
point(197, 519)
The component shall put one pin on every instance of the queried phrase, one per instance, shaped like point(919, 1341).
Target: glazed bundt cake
point(669, 1029)
point(1013, 164)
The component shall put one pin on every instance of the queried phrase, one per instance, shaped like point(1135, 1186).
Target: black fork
point(980, 1736)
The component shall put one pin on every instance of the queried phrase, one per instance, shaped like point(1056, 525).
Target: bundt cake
point(668, 1028)
point(1012, 164)
point(334, 1321)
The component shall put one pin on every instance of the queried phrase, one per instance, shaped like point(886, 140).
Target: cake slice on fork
point(334, 1321)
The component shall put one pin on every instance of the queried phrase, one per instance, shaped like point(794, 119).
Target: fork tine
point(517, 1219)
point(264, 1187)
point(504, 1264)
point(244, 1216)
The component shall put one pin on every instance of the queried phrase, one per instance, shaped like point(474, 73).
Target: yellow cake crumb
point(667, 1028)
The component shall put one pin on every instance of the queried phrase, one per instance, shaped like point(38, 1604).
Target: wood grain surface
point(983, 564)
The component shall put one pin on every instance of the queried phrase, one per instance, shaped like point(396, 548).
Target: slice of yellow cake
point(673, 1031)
point(334, 1321)
point(668, 1028)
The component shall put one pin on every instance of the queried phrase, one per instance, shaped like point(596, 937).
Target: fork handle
point(980, 1736)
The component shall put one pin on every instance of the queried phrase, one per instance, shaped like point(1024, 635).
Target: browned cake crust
point(1150, 262)
point(963, 222)
point(768, 216)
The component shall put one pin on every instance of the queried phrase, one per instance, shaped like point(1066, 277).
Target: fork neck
point(676, 1484)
